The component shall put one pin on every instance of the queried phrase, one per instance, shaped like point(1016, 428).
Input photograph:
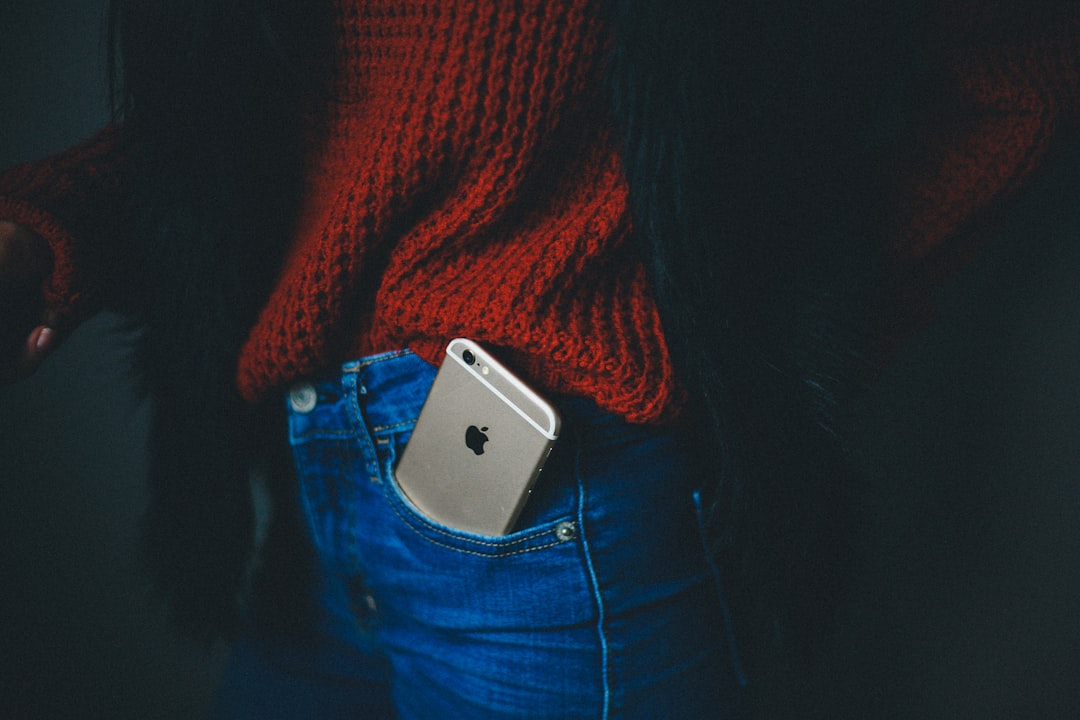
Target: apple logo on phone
point(475, 439)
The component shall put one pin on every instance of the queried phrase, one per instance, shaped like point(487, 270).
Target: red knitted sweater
point(480, 124)
point(465, 183)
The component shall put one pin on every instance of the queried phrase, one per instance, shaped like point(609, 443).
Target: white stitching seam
point(409, 522)
point(595, 587)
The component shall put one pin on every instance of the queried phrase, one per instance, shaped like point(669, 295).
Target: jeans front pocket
point(459, 580)
point(484, 626)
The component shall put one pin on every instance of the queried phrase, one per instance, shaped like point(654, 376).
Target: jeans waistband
point(392, 386)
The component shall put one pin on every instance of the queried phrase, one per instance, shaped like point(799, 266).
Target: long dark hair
point(762, 139)
point(759, 139)
point(211, 96)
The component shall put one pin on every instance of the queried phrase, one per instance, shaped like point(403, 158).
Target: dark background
point(81, 636)
point(969, 587)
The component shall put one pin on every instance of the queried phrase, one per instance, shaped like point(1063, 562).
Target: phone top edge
point(553, 419)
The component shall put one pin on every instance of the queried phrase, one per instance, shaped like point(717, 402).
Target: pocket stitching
point(409, 522)
point(318, 434)
point(423, 526)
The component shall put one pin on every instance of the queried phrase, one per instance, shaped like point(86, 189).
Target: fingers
point(21, 353)
point(27, 335)
point(39, 343)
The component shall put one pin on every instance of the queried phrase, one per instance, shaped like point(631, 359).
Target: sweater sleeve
point(74, 201)
point(1016, 76)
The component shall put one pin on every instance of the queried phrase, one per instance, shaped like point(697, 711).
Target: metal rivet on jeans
point(303, 397)
point(566, 531)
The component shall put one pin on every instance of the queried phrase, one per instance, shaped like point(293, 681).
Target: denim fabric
point(602, 604)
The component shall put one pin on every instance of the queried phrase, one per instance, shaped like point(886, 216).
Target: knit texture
point(464, 181)
point(466, 185)
point(70, 199)
point(1012, 97)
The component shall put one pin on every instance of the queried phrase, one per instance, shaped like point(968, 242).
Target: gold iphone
point(479, 444)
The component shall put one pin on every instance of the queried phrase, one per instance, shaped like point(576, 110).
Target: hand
point(27, 332)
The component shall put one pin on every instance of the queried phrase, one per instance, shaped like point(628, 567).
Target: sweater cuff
point(66, 292)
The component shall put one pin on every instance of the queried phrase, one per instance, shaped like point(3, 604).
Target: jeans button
point(303, 397)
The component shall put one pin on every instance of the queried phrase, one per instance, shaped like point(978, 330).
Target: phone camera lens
point(468, 357)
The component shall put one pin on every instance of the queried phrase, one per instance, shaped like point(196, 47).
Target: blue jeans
point(602, 604)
